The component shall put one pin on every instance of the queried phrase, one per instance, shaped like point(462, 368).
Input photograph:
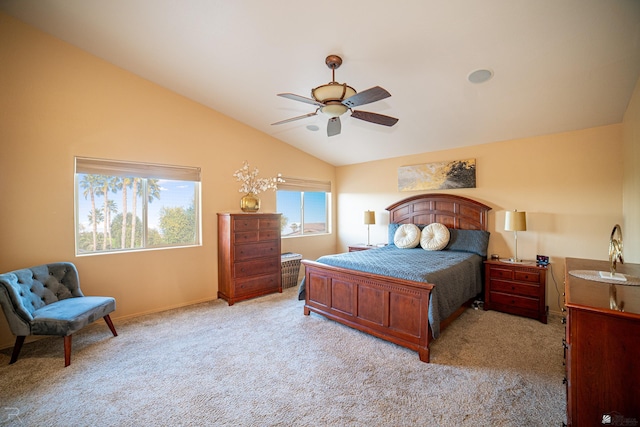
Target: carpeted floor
point(262, 363)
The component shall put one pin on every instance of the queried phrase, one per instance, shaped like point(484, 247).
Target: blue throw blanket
point(457, 276)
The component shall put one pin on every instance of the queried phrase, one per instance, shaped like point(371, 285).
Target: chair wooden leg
point(107, 319)
point(16, 349)
point(67, 351)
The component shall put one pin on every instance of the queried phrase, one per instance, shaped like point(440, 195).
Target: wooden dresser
point(602, 348)
point(249, 262)
point(516, 288)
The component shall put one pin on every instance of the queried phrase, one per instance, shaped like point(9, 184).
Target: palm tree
point(96, 218)
point(90, 184)
point(108, 183)
point(136, 184)
point(124, 184)
point(112, 207)
point(153, 192)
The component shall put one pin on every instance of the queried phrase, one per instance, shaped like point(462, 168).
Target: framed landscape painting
point(438, 176)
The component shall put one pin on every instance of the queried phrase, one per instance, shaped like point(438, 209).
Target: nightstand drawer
point(514, 301)
point(527, 276)
point(510, 274)
point(500, 273)
point(515, 288)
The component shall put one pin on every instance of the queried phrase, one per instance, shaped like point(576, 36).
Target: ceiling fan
point(334, 99)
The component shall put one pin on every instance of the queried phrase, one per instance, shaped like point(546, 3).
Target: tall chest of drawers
point(249, 263)
point(516, 288)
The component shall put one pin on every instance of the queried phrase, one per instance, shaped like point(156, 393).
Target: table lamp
point(369, 218)
point(515, 221)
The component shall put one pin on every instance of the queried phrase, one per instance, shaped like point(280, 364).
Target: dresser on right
point(602, 347)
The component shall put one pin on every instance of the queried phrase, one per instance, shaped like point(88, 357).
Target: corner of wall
point(631, 178)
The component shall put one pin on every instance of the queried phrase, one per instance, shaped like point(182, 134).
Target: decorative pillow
point(434, 237)
point(475, 241)
point(393, 227)
point(407, 236)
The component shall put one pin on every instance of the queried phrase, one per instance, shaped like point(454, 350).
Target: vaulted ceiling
point(558, 65)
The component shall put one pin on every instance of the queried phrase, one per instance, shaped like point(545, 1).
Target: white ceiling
point(559, 65)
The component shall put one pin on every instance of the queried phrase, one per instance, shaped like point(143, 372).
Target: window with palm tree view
point(123, 206)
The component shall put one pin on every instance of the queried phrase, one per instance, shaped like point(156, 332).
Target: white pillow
point(434, 237)
point(407, 236)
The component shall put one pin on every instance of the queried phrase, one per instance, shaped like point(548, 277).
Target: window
point(124, 206)
point(305, 206)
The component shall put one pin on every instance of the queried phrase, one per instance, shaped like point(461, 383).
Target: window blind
point(299, 184)
point(133, 169)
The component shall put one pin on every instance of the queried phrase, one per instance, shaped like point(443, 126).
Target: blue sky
point(172, 194)
point(181, 193)
point(288, 203)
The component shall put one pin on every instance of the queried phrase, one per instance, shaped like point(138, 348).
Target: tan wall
point(569, 184)
point(631, 185)
point(59, 102)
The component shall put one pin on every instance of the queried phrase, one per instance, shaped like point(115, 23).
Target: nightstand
point(516, 288)
point(360, 247)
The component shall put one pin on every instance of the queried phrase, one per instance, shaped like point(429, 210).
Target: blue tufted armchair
point(47, 300)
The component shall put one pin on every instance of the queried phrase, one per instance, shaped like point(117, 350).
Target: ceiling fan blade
point(295, 118)
point(301, 99)
point(366, 97)
point(334, 126)
point(376, 118)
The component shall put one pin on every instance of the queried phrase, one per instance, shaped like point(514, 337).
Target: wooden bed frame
point(395, 310)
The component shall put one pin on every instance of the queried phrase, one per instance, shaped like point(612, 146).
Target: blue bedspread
point(457, 276)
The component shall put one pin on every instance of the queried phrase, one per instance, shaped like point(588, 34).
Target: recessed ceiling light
point(480, 76)
point(313, 128)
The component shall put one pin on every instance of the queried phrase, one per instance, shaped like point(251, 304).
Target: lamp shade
point(369, 217)
point(515, 221)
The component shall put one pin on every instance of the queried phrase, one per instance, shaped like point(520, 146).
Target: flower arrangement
point(251, 183)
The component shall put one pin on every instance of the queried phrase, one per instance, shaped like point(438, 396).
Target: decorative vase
point(250, 203)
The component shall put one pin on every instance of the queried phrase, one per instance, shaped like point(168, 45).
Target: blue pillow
point(475, 241)
point(393, 227)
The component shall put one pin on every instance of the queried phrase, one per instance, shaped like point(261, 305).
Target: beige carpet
point(263, 363)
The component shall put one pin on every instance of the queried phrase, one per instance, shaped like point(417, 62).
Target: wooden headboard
point(450, 210)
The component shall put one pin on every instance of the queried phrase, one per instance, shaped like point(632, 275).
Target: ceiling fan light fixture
point(332, 92)
point(334, 99)
point(334, 109)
